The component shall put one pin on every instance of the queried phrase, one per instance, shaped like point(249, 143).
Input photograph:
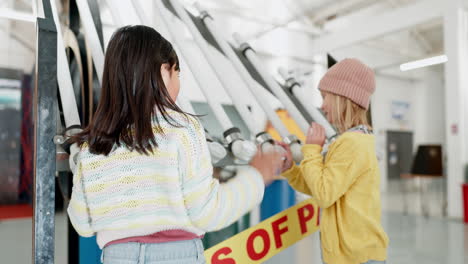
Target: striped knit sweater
point(128, 194)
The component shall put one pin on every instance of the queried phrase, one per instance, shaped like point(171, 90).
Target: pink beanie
point(352, 79)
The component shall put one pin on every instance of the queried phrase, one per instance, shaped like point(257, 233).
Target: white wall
point(431, 114)
point(389, 90)
point(16, 54)
point(425, 115)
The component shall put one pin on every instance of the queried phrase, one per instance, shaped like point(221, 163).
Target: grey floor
point(414, 238)
point(16, 241)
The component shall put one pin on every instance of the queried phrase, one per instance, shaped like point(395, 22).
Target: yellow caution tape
point(261, 242)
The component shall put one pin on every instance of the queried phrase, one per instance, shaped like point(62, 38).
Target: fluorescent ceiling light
point(423, 63)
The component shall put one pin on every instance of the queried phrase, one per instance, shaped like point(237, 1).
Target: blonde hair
point(346, 114)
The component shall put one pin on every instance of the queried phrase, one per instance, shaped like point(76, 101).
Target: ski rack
point(214, 37)
point(241, 149)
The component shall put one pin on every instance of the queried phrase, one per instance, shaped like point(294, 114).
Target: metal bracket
point(232, 135)
point(264, 137)
point(63, 145)
point(290, 83)
point(291, 139)
point(204, 14)
point(244, 47)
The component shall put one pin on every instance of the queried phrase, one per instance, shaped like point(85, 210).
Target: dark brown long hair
point(132, 92)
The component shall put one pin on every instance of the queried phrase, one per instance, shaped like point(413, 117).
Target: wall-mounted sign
point(400, 110)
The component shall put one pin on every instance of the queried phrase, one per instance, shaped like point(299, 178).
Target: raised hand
point(268, 164)
point(316, 135)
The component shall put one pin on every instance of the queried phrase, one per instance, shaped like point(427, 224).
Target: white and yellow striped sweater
point(127, 194)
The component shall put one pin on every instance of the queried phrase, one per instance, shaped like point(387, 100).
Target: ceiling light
point(423, 63)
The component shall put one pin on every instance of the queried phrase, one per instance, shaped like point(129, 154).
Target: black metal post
point(45, 112)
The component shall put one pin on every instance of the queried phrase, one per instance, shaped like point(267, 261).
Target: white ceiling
point(313, 17)
point(261, 21)
point(285, 19)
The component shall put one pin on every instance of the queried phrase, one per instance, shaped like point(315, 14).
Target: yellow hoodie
point(346, 186)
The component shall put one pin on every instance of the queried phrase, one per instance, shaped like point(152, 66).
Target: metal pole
point(272, 116)
point(67, 95)
point(262, 138)
point(197, 71)
point(229, 88)
point(274, 86)
point(298, 92)
point(240, 148)
point(97, 50)
point(45, 109)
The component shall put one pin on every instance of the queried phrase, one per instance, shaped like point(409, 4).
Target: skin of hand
point(268, 164)
point(316, 135)
point(287, 158)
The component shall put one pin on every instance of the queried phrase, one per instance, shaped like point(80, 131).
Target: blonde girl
point(345, 181)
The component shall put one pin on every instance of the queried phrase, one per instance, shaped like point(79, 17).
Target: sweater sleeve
point(329, 180)
point(211, 205)
point(296, 179)
point(78, 211)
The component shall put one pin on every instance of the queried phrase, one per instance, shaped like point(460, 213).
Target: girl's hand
point(268, 164)
point(287, 156)
point(316, 135)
